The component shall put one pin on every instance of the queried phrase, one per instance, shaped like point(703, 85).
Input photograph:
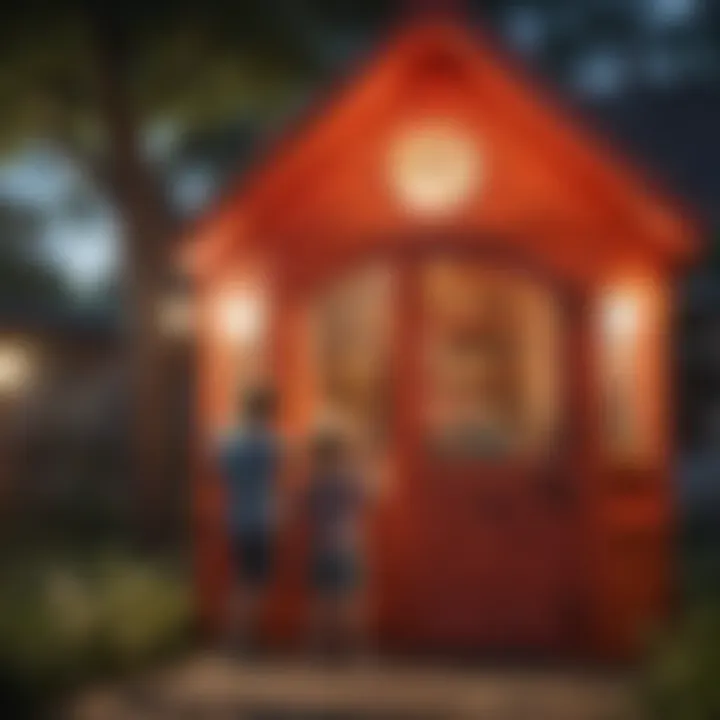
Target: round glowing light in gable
point(435, 167)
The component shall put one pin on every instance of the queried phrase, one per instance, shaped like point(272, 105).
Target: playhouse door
point(489, 491)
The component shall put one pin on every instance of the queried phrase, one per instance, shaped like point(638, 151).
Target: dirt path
point(215, 689)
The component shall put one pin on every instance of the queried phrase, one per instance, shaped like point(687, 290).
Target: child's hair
point(259, 404)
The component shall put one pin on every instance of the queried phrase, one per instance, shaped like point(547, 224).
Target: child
point(336, 506)
point(250, 462)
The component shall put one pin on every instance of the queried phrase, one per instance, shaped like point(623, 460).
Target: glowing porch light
point(625, 311)
point(434, 168)
point(17, 367)
point(621, 314)
point(241, 315)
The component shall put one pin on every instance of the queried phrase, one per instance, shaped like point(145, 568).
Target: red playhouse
point(487, 289)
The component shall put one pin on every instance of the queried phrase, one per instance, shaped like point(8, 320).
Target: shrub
point(142, 614)
point(681, 680)
point(62, 623)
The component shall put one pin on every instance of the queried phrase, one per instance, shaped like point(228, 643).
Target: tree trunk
point(148, 227)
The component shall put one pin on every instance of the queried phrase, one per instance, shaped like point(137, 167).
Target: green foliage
point(681, 680)
point(681, 675)
point(64, 623)
point(187, 62)
point(141, 613)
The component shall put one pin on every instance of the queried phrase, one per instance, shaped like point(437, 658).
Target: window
point(351, 325)
point(490, 365)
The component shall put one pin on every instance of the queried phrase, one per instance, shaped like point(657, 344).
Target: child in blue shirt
point(249, 457)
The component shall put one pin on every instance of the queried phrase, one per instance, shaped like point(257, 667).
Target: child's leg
point(352, 606)
point(251, 566)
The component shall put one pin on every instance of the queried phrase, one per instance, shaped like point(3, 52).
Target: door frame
point(572, 413)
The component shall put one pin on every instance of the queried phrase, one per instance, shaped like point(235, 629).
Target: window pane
point(490, 366)
point(352, 329)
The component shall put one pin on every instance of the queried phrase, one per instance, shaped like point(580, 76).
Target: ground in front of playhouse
point(217, 688)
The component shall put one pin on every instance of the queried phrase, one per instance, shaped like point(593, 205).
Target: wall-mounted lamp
point(624, 314)
point(241, 315)
point(621, 314)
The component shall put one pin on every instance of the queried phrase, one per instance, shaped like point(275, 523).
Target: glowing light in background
point(17, 367)
point(435, 167)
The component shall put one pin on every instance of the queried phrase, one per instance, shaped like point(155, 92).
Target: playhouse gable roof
point(427, 67)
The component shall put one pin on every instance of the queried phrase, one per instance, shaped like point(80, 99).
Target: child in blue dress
point(336, 504)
